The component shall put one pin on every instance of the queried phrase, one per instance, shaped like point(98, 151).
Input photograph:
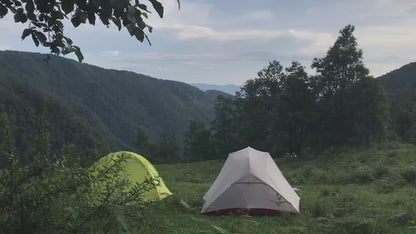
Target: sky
point(229, 41)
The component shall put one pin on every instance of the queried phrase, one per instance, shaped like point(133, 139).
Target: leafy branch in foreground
point(58, 195)
point(46, 19)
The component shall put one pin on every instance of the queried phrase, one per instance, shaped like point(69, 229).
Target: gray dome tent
point(250, 183)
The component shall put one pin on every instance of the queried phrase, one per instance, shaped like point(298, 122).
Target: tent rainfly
point(135, 169)
point(250, 183)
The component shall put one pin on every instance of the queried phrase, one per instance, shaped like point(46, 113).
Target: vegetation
point(90, 106)
point(343, 190)
point(332, 132)
point(45, 19)
point(58, 194)
point(401, 85)
point(286, 111)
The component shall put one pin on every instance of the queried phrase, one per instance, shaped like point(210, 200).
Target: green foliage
point(20, 102)
point(198, 144)
point(353, 107)
point(409, 174)
point(167, 150)
point(254, 104)
point(42, 138)
point(341, 67)
point(142, 143)
point(294, 113)
point(46, 19)
point(400, 80)
point(90, 107)
point(327, 206)
point(58, 195)
point(287, 112)
point(404, 115)
point(224, 126)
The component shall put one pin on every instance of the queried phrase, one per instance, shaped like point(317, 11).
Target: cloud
point(259, 15)
point(387, 47)
point(113, 53)
point(192, 32)
point(316, 42)
point(319, 42)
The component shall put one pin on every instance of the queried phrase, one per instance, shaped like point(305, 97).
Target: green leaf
point(41, 37)
point(68, 40)
point(67, 6)
point(35, 40)
point(143, 7)
point(79, 17)
point(117, 22)
point(132, 30)
point(29, 6)
point(139, 35)
point(76, 20)
point(78, 53)
point(3, 11)
point(20, 16)
point(26, 33)
point(97, 3)
point(158, 7)
point(91, 18)
point(31, 16)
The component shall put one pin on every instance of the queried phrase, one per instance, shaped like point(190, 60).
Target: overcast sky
point(229, 41)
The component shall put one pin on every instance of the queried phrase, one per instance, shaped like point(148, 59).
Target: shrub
point(409, 174)
point(380, 170)
point(362, 175)
point(385, 185)
point(56, 195)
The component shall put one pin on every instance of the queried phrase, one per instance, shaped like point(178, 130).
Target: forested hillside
point(91, 105)
point(400, 80)
point(401, 85)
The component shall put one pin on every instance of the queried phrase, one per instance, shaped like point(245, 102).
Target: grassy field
point(342, 191)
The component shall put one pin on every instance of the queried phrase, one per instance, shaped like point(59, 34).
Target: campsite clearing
point(342, 190)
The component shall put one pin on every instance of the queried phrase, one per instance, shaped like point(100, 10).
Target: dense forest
point(90, 106)
point(286, 111)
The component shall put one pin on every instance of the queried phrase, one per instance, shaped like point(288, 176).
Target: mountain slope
point(396, 81)
point(230, 89)
point(21, 102)
point(111, 102)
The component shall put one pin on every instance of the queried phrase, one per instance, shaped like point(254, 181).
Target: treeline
point(285, 111)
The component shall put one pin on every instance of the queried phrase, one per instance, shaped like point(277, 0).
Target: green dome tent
point(135, 169)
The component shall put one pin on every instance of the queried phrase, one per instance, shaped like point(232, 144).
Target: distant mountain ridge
point(230, 89)
point(399, 80)
point(110, 105)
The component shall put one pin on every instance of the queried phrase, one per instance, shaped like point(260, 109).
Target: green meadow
point(343, 190)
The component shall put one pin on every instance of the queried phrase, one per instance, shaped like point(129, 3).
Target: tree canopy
point(286, 112)
point(45, 19)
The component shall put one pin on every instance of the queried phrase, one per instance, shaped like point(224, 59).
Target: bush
point(362, 175)
point(409, 174)
point(57, 195)
point(385, 185)
point(380, 170)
